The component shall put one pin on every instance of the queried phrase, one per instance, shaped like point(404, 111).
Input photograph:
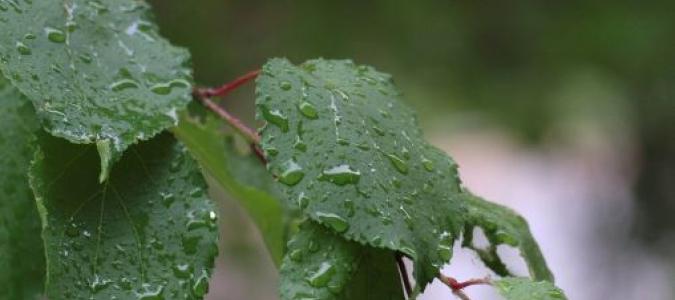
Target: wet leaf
point(242, 175)
point(502, 225)
point(97, 72)
point(149, 232)
point(364, 170)
point(322, 265)
point(514, 288)
point(21, 251)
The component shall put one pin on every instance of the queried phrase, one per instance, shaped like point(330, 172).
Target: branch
point(248, 133)
point(457, 287)
point(404, 274)
point(228, 87)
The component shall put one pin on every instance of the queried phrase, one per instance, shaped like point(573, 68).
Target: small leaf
point(149, 232)
point(322, 265)
point(96, 71)
point(365, 170)
point(21, 249)
point(243, 176)
point(503, 226)
point(516, 288)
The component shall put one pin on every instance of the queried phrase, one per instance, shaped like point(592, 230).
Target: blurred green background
point(545, 75)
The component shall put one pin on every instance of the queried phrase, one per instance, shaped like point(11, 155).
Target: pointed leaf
point(514, 288)
point(503, 226)
point(96, 71)
point(352, 156)
point(322, 265)
point(21, 251)
point(149, 232)
point(243, 176)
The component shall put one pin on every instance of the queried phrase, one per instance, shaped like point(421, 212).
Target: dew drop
point(148, 292)
point(322, 276)
point(308, 110)
point(22, 48)
point(334, 221)
point(445, 247)
point(182, 270)
point(303, 201)
point(123, 85)
point(55, 35)
point(428, 164)
point(201, 285)
point(291, 173)
point(161, 88)
point(285, 85)
point(296, 255)
point(275, 117)
point(341, 175)
point(398, 163)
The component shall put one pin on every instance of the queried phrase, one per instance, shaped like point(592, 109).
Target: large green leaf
point(514, 288)
point(21, 252)
point(243, 176)
point(502, 225)
point(96, 71)
point(149, 232)
point(351, 156)
point(322, 265)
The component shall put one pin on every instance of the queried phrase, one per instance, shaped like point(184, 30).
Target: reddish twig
point(404, 274)
point(244, 130)
point(457, 287)
point(228, 87)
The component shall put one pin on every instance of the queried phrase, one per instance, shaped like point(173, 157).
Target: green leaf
point(243, 176)
point(96, 71)
point(502, 225)
point(322, 265)
point(351, 155)
point(515, 288)
point(21, 252)
point(149, 232)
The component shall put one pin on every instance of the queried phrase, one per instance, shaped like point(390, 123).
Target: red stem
point(244, 130)
point(228, 87)
point(457, 286)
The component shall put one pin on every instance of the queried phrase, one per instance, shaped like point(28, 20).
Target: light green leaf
point(502, 225)
point(149, 232)
point(21, 252)
point(322, 265)
point(96, 71)
point(351, 155)
point(515, 288)
point(242, 175)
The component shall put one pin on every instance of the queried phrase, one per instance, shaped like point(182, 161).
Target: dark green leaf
point(514, 288)
point(243, 176)
point(22, 261)
point(96, 71)
point(352, 157)
point(502, 225)
point(149, 232)
point(322, 265)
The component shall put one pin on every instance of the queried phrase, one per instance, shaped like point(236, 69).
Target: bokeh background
point(563, 110)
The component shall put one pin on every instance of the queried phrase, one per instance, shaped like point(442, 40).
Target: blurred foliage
point(522, 65)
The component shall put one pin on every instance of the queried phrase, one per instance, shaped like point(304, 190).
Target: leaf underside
point(149, 232)
point(242, 175)
point(322, 265)
point(96, 71)
point(515, 288)
point(22, 261)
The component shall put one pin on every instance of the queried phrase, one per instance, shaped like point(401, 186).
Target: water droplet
point(291, 173)
point(308, 110)
point(22, 48)
point(99, 284)
point(29, 36)
point(428, 164)
point(285, 85)
point(445, 246)
point(341, 175)
point(148, 292)
point(334, 221)
point(55, 35)
point(322, 276)
point(398, 163)
point(182, 270)
point(161, 88)
point(303, 201)
point(72, 230)
point(201, 285)
point(299, 144)
point(275, 117)
point(378, 130)
point(271, 151)
point(296, 255)
point(123, 85)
